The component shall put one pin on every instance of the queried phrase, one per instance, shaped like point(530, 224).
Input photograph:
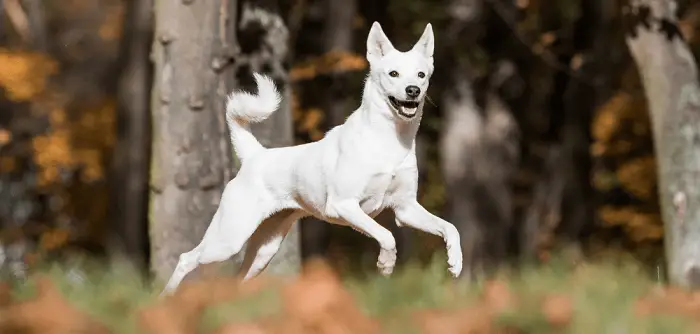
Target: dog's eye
point(421, 75)
point(394, 74)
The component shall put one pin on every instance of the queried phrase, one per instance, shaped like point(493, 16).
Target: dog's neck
point(373, 113)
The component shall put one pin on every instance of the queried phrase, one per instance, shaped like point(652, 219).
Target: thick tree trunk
point(670, 78)
point(130, 160)
point(191, 157)
point(264, 40)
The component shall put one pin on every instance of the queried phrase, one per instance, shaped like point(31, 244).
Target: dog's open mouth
point(405, 108)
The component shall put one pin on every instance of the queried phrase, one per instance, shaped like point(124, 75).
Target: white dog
point(358, 169)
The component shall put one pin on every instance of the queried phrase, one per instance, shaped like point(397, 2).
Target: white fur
point(243, 108)
point(357, 170)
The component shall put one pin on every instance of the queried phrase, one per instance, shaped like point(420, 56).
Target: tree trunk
point(36, 17)
point(670, 78)
point(478, 149)
point(479, 155)
point(338, 36)
point(191, 154)
point(591, 40)
point(264, 40)
point(129, 197)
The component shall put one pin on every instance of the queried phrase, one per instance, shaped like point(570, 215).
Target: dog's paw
point(454, 259)
point(386, 261)
point(385, 271)
point(455, 269)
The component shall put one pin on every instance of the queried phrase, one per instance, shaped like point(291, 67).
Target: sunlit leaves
point(5, 137)
point(622, 149)
point(329, 63)
point(24, 75)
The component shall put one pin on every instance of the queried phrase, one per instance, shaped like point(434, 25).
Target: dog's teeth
point(408, 111)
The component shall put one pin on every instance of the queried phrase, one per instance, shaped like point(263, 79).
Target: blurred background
point(537, 139)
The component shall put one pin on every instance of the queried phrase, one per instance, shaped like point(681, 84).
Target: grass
point(602, 296)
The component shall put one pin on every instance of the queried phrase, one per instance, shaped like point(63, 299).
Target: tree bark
point(670, 79)
point(191, 155)
point(263, 38)
point(130, 160)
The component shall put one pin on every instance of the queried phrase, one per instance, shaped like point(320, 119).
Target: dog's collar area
point(401, 105)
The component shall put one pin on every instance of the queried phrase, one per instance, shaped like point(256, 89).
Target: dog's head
point(401, 77)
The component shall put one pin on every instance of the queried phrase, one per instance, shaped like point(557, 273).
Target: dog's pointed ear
point(378, 45)
point(426, 43)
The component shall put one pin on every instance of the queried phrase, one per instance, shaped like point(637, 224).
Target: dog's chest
point(377, 192)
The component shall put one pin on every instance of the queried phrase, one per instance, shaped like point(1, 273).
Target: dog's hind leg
point(188, 261)
point(238, 216)
point(266, 241)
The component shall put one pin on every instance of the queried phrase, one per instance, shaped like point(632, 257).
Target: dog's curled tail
point(243, 108)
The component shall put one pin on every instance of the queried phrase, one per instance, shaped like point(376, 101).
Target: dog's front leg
point(351, 214)
point(412, 214)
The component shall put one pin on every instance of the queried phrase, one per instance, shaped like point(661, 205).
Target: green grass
point(603, 295)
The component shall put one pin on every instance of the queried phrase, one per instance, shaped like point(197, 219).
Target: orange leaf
point(5, 137)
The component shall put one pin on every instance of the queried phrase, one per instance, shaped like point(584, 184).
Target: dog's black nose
point(412, 91)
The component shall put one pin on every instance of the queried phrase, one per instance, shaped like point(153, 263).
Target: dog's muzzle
point(406, 109)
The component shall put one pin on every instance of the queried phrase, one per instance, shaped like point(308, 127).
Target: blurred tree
point(670, 78)
point(479, 146)
point(338, 36)
point(517, 106)
point(195, 42)
point(581, 74)
point(130, 160)
point(29, 18)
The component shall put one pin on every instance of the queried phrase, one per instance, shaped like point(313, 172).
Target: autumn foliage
point(58, 124)
point(623, 150)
